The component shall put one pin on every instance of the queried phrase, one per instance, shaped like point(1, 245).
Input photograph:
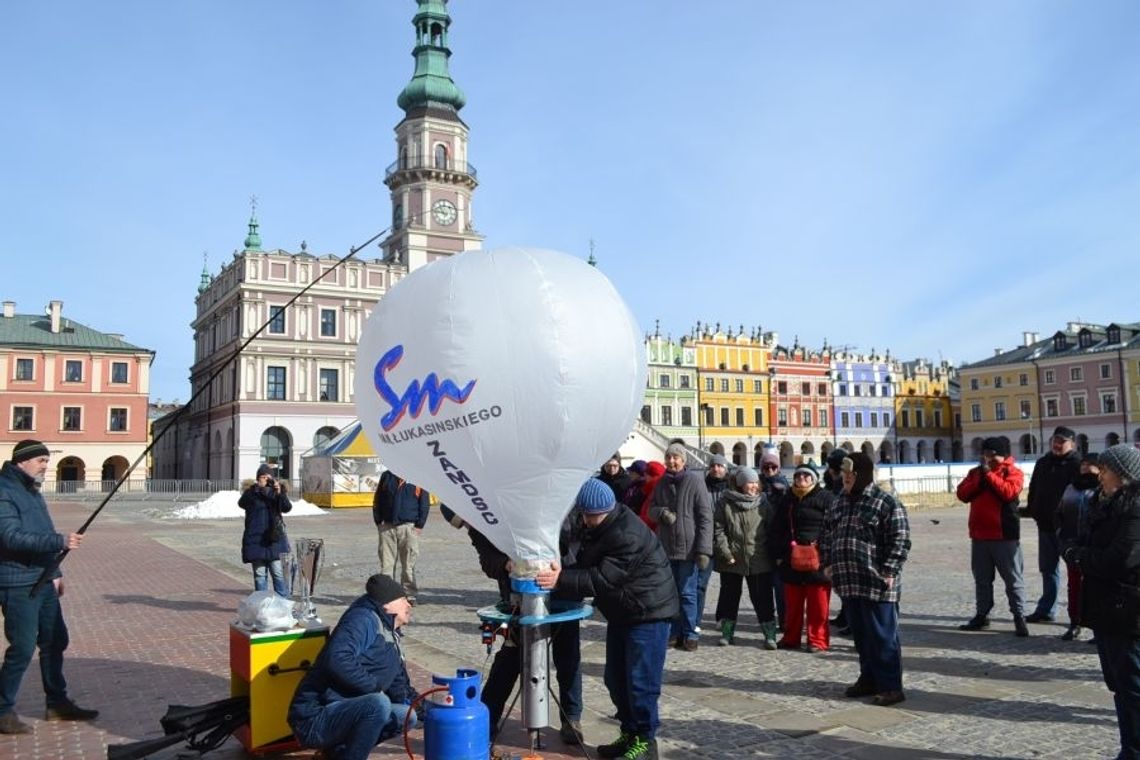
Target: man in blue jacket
point(400, 511)
point(358, 693)
point(28, 544)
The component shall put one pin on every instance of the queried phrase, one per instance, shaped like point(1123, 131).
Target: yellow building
point(732, 387)
point(1000, 399)
point(924, 417)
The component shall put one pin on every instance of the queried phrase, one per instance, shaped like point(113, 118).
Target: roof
point(34, 331)
point(350, 442)
point(1045, 349)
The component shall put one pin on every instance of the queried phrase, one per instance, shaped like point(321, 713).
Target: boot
point(1073, 634)
point(68, 710)
point(10, 723)
point(571, 732)
point(769, 631)
point(1020, 629)
point(976, 623)
point(727, 629)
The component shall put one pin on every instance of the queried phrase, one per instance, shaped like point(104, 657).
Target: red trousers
point(816, 598)
point(1074, 576)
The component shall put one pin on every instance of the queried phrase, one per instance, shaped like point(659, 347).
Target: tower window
point(441, 156)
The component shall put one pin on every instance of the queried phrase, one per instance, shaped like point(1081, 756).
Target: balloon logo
point(499, 381)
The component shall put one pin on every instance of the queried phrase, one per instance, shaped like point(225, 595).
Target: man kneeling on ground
point(358, 693)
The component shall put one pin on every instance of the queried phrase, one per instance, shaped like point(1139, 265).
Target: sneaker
point(571, 732)
point(690, 645)
point(1073, 634)
point(785, 644)
point(861, 688)
point(69, 711)
point(812, 649)
point(888, 698)
point(616, 748)
point(1020, 629)
point(1038, 617)
point(641, 749)
point(10, 723)
point(844, 631)
point(976, 623)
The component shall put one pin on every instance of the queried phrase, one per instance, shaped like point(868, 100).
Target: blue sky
point(932, 178)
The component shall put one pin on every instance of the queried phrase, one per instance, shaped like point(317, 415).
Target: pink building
point(80, 391)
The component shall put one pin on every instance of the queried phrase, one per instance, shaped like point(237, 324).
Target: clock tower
point(431, 181)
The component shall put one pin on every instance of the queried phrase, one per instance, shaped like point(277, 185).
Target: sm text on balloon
point(463, 480)
point(431, 391)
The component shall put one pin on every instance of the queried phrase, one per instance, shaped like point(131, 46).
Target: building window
point(918, 420)
point(1105, 371)
point(666, 415)
point(329, 385)
point(997, 381)
point(807, 417)
point(647, 415)
point(275, 384)
point(708, 415)
point(886, 391)
point(687, 416)
point(73, 371)
point(663, 381)
point(871, 389)
point(709, 384)
point(1108, 403)
point(684, 381)
point(1075, 374)
point(277, 320)
point(1025, 410)
point(1050, 407)
point(724, 385)
point(805, 389)
point(72, 418)
point(976, 412)
point(1079, 407)
point(906, 418)
point(757, 386)
point(23, 418)
point(724, 416)
point(973, 383)
point(758, 417)
point(441, 156)
point(844, 420)
point(821, 389)
point(823, 418)
point(1050, 377)
point(858, 389)
point(874, 419)
point(118, 372)
point(328, 323)
point(999, 410)
point(782, 417)
point(118, 420)
point(739, 384)
point(25, 369)
point(782, 387)
point(842, 389)
point(1023, 379)
point(858, 419)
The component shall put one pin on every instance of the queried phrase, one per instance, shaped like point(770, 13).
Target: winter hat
point(770, 457)
point(654, 470)
point(1063, 432)
point(675, 450)
point(638, 466)
point(1123, 459)
point(807, 469)
point(1092, 458)
point(745, 475)
point(835, 458)
point(383, 589)
point(264, 470)
point(864, 470)
point(595, 498)
point(718, 459)
point(28, 449)
point(999, 446)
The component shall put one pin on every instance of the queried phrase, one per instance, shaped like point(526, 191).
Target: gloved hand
point(668, 517)
point(1071, 555)
point(703, 561)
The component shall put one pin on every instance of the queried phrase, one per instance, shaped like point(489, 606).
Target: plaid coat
point(865, 539)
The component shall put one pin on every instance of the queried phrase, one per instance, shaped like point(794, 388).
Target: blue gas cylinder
point(457, 724)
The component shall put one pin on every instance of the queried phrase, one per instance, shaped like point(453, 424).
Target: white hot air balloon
point(499, 381)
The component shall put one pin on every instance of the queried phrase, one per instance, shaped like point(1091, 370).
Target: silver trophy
point(310, 558)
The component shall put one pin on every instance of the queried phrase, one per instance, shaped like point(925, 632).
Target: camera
point(269, 481)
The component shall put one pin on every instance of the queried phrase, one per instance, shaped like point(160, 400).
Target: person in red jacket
point(992, 489)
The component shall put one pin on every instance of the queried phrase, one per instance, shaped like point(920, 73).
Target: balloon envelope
point(499, 381)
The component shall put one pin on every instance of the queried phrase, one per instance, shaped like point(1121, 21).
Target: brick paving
point(149, 600)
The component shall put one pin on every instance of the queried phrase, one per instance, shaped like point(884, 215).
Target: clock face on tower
point(443, 212)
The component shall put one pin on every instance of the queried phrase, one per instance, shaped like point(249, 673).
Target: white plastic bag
point(266, 611)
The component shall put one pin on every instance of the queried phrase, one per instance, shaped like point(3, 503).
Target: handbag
point(804, 558)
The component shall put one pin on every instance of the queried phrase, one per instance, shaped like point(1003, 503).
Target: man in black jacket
point(623, 566)
point(1052, 473)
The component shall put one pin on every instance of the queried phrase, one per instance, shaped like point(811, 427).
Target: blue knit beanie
point(595, 497)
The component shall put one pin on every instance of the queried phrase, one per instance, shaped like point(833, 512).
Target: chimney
point(9, 309)
point(1028, 338)
point(54, 309)
point(997, 352)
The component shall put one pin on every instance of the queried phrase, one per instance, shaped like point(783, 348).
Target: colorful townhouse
point(671, 388)
point(81, 391)
point(864, 401)
point(733, 380)
point(800, 403)
point(924, 419)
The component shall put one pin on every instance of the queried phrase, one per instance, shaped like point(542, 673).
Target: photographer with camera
point(264, 541)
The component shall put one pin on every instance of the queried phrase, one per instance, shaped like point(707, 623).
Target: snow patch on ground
point(224, 505)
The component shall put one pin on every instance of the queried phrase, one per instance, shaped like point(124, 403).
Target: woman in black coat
point(264, 541)
point(1110, 599)
point(799, 517)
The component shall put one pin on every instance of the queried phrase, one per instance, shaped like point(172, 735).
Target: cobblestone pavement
point(149, 599)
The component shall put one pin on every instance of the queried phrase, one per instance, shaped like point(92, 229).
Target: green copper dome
point(431, 82)
point(253, 239)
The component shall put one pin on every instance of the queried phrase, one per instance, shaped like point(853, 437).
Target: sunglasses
point(769, 468)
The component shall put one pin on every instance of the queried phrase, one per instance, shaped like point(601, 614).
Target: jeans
point(31, 621)
point(635, 662)
point(350, 728)
point(1120, 664)
point(1049, 563)
point(1004, 557)
point(686, 575)
point(875, 629)
point(703, 577)
point(273, 567)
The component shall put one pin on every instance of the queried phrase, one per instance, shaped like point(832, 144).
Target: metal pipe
point(535, 666)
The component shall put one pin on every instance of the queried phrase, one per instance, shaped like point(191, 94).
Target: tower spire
point(253, 239)
point(204, 282)
point(431, 83)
